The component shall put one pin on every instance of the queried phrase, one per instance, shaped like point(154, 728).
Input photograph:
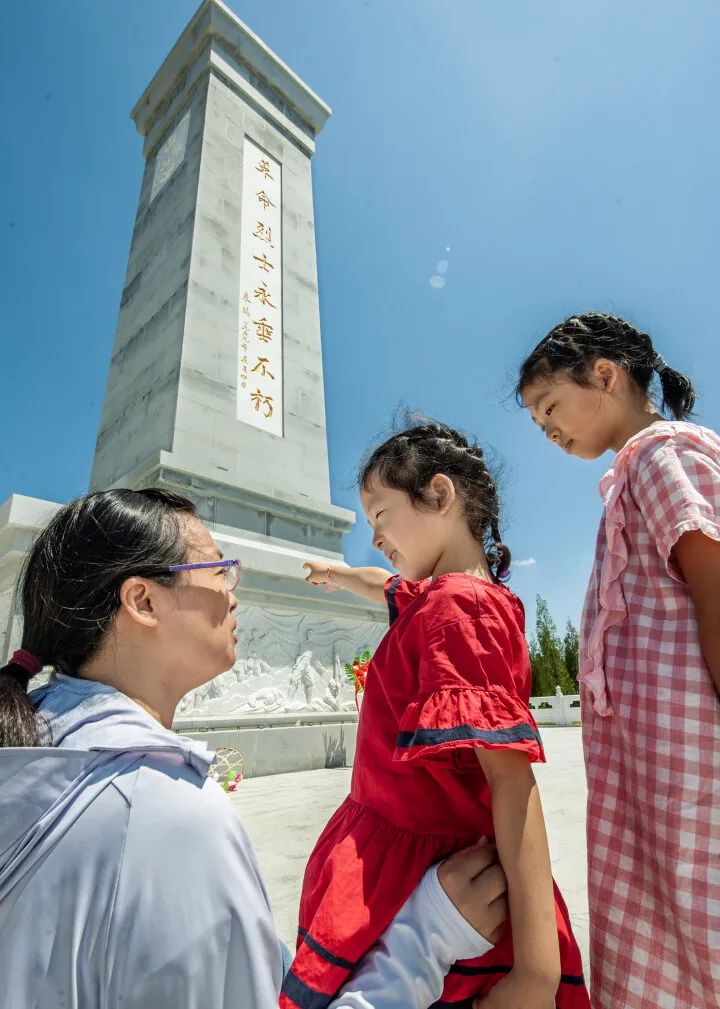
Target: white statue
point(303, 676)
point(267, 699)
point(331, 698)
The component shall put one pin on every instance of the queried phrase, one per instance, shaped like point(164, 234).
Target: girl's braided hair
point(411, 458)
point(574, 345)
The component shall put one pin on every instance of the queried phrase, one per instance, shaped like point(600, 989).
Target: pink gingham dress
point(651, 733)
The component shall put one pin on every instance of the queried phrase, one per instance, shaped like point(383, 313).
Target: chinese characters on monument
point(260, 360)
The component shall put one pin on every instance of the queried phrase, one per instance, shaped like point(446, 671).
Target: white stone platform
point(285, 813)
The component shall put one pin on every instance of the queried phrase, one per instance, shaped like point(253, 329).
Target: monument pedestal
point(215, 388)
point(279, 744)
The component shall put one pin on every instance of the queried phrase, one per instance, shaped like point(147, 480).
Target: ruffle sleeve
point(676, 484)
point(470, 696)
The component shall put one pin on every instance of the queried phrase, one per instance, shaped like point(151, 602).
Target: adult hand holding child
point(475, 883)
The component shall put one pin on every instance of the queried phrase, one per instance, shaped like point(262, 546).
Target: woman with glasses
point(126, 879)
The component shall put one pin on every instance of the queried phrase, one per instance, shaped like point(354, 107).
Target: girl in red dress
point(445, 741)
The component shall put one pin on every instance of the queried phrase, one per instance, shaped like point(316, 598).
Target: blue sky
point(566, 154)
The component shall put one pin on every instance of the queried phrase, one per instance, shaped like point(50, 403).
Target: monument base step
point(280, 744)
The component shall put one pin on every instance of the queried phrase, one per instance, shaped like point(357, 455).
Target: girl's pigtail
point(677, 389)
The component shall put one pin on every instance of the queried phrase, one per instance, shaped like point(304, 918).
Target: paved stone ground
point(285, 813)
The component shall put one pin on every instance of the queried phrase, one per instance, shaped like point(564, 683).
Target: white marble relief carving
point(287, 662)
point(170, 156)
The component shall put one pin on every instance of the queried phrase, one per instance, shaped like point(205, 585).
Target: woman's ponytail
point(18, 723)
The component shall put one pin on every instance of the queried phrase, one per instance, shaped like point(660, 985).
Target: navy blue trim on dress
point(390, 595)
point(331, 958)
point(575, 979)
point(469, 971)
point(303, 995)
point(434, 737)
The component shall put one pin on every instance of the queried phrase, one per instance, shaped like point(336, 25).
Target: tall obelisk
point(216, 383)
point(216, 378)
point(215, 387)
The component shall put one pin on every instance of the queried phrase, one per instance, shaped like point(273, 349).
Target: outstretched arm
point(366, 582)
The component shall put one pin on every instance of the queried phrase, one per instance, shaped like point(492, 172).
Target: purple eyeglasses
point(231, 568)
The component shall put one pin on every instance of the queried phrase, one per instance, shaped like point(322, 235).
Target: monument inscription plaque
point(260, 372)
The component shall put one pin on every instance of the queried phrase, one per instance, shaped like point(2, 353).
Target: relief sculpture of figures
point(287, 663)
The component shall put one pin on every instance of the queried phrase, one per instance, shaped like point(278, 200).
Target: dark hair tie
point(27, 661)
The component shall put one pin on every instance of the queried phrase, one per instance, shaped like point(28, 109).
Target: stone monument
point(215, 387)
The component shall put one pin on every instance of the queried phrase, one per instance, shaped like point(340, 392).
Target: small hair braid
point(488, 517)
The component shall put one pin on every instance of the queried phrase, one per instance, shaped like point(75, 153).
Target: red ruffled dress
point(451, 675)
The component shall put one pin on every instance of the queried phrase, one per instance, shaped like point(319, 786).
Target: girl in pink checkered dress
point(649, 662)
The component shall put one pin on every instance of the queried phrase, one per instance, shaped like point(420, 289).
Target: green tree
point(571, 650)
point(547, 656)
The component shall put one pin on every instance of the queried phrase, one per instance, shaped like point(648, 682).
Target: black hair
point(575, 344)
point(70, 585)
point(411, 458)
